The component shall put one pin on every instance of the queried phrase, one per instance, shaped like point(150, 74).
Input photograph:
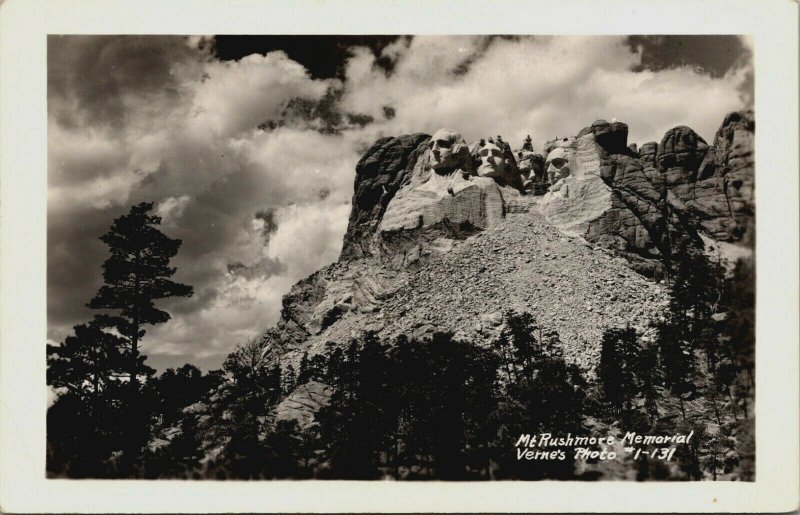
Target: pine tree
point(522, 330)
point(85, 362)
point(136, 274)
point(619, 361)
point(648, 375)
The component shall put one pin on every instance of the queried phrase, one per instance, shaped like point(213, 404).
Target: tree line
point(442, 408)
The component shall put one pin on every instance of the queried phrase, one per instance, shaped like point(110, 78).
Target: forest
point(443, 408)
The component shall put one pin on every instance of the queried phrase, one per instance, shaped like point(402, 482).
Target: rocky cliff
point(444, 236)
point(714, 184)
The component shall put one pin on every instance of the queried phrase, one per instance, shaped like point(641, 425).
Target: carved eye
point(496, 152)
point(444, 143)
point(558, 162)
point(484, 152)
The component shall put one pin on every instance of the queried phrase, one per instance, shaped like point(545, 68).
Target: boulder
point(303, 403)
point(195, 409)
point(613, 137)
point(682, 148)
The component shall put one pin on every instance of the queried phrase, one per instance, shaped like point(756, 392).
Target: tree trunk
point(733, 403)
point(134, 355)
point(135, 335)
point(716, 408)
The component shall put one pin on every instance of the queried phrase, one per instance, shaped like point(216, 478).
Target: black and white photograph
point(340, 258)
point(401, 257)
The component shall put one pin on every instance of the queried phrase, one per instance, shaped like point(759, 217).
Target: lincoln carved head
point(447, 151)
point(557, 165)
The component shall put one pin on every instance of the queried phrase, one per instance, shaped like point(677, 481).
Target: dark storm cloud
point(323, 116)
point(267, 217)
point(70, 282)
point(101, 72)
point(323, 56)
point(715, 55)
point(483, 44)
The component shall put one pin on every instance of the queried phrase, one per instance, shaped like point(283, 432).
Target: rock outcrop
point(303, 403)
point(715, 185)
point(445, 237)
point(603, 193)
point(379, 174)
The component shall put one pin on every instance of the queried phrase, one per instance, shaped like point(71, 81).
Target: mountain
point(445, 236)
point(484, 293)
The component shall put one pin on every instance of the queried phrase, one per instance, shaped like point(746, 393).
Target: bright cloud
point(237, 96)
point(547, 87)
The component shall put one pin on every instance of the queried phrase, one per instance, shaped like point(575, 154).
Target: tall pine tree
point(136, 274)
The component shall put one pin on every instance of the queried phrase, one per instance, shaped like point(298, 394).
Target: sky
point(248, 145)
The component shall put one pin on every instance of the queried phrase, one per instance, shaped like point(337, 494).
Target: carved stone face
point(524, 162)
point(492, 161)
point(447, 150)
point(557, 165)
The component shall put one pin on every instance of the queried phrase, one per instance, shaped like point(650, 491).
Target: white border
point(23, 28)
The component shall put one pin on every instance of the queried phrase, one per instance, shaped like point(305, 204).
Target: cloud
point(171, 209)
point(237, 96)
point(309, 236)
point(251, 162)
point(108, 80)
point(546, 86)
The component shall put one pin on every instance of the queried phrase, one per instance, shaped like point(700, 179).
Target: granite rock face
point(379, 174)
point(612, 197)
point(648, 152)
point(411, 207)
point(658, 197)
point(714, 184)
point(452, 192)
point(432, 245)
